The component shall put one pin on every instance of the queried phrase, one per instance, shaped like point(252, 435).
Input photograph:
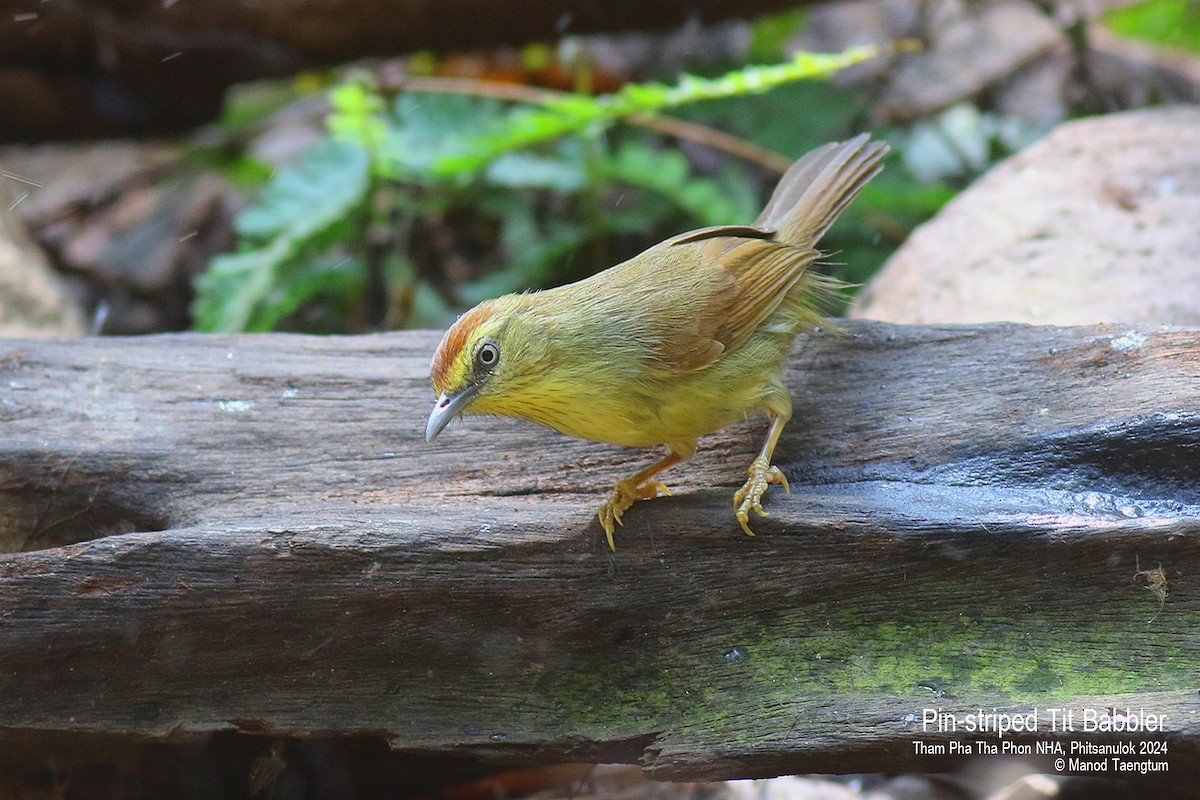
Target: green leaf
point(769, 34)
point(427, 129)
point(964, 141)
point(303, 211)
point(229, 291)
point(357, 114)
point(791, 119)
point(535, 251)
point(708, 201)
point(586, 115)
point(530, 171)
point(1174, 23)
point(330, 179)
point(340, 280)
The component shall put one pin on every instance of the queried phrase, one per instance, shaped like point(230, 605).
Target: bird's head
point(464, 364)
point(485, 361)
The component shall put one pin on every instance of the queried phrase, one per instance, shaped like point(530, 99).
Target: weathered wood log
point(101, 69)
point(249, 534)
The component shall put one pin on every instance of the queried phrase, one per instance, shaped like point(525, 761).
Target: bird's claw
point(749, 497)
point(625, 494)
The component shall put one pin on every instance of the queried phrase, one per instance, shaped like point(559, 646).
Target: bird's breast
point(642, 405)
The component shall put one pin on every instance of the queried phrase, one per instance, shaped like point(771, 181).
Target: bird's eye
point(488, 355)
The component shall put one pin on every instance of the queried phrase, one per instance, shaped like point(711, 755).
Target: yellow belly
point(658, 407)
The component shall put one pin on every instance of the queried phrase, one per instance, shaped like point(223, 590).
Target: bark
point(248, 534)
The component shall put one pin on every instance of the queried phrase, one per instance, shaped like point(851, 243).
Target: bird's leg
point(762, 475)
point(632, 489)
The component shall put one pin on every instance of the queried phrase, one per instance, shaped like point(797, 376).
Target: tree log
point(90, 68)
point(248, 533)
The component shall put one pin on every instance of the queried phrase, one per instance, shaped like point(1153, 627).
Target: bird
point(679, 341)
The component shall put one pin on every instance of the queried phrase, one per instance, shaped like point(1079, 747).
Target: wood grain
point(213, 534)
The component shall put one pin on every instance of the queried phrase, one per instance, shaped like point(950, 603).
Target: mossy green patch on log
point(1118, 642)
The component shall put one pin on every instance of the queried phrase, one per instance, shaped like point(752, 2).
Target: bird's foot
point(624, 495)
point(762, 475)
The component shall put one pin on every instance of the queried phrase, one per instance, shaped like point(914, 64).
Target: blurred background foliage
point(550, 190)
point(535, 187)
point(420, 195)
point(1173, 23)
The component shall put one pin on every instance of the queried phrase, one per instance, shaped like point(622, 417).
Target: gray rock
point(33, 300)
point(127, 224)
point(1098, 222)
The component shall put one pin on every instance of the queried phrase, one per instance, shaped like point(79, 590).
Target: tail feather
point(818, 187)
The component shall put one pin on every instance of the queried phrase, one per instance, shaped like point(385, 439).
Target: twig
point(702, 134)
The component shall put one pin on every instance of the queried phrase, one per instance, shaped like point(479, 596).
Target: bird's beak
point(447, 407)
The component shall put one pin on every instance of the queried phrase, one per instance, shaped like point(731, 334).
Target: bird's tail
point(816, 189)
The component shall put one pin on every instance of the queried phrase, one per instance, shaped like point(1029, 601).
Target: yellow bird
point(685, 338)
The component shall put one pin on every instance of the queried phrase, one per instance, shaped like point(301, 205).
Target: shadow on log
point(248, 534)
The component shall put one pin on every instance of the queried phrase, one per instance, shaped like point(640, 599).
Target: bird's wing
point(734, 278)
point(764, 272)
point(720, 231)
point(737, 276)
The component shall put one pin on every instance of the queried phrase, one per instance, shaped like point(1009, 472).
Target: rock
point(968, 49)
point(130, 225)
point(67, 177)
point(971, 52)
point(1012, 57)
point(33, 301)
point(1095, 223)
